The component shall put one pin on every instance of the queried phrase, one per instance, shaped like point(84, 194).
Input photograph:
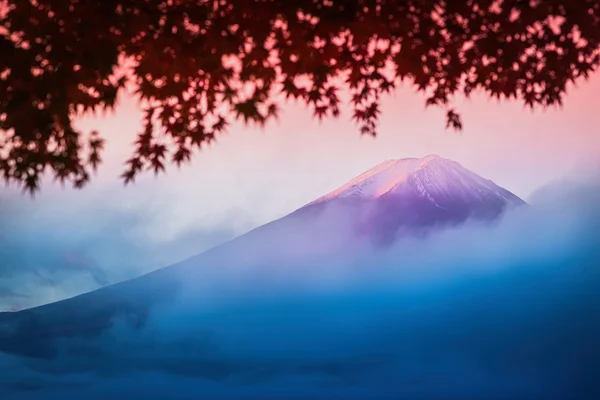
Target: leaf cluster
point(197, 65)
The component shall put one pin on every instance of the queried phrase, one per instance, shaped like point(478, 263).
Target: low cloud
point(63, 245)
point(503, 311)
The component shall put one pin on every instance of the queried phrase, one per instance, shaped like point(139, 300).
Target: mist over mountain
point(494, 301)
point(397, 197)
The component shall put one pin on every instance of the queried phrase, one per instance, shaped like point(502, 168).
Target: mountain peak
point(417, 193)
point(433, 177)
point(386, 176)
point(422, 161)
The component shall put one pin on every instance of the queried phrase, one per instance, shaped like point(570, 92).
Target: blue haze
point(504, 312)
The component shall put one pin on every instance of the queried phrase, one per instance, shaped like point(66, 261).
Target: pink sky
point(259, 175)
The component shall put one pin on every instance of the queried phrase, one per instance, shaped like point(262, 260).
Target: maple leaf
point(196, 68)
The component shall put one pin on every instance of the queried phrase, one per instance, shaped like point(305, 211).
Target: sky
point(63, 242)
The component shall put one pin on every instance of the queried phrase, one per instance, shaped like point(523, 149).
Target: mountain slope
point(409, 195)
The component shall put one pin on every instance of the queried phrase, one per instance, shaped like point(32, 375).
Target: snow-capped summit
point(431, 176)
point(379, 179)
point(414, 194)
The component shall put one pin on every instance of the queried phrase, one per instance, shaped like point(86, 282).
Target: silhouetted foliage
point(196, 65)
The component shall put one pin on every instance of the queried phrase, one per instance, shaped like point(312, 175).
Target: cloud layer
point(64, 245)
point(509, 311)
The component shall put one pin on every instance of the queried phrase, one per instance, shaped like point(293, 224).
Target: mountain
point(439, 180)
point(417, 195)
point(406, 196)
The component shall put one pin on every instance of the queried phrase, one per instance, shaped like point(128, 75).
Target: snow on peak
point(430, 175)
point(382, 178)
